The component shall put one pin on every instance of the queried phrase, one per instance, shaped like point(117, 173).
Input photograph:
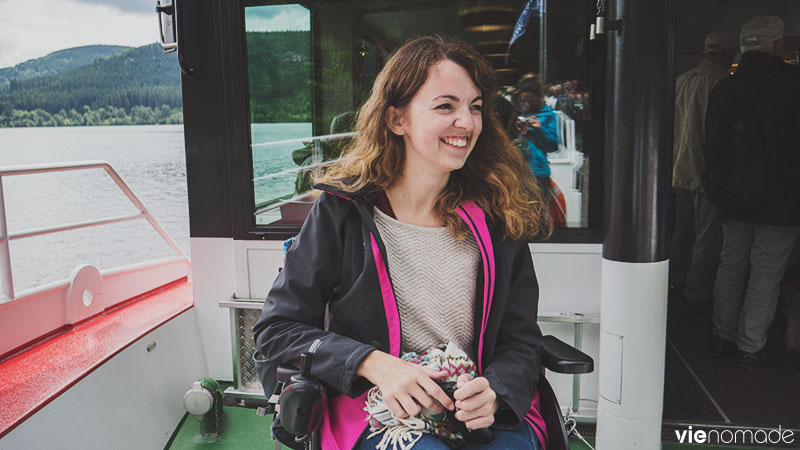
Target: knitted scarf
point(404, 433)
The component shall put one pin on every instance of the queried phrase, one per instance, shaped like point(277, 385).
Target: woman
point(434, 194)
point(538, 137)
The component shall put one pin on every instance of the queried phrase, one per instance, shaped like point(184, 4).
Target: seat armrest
point(285, 373)
point(561, 357)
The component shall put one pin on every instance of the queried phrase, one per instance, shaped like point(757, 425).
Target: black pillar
point(215, 115)
point(640, 93)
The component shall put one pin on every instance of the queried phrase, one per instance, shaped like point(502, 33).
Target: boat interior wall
point(215, 273)
point(562, 297)
point(258, 267)
point(559, 267)
point(130, 402)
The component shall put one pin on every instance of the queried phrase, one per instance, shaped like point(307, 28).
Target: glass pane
point(348, 45)
point(279, 74)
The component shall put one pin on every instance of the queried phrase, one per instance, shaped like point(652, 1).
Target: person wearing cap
point(697, 237)
point(758, 239)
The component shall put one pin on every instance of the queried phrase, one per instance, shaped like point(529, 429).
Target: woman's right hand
point(405, 387)
point(530, 124)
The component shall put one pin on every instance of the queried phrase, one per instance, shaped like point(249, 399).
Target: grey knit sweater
point(434, 278)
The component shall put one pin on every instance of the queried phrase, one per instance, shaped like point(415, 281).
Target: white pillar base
point(633, 317)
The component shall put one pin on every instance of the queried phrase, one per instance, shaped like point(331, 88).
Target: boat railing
point(268, 209)
point(317, 159)
point(6, 272)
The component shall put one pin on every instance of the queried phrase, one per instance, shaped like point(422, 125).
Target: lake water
point(150, 159)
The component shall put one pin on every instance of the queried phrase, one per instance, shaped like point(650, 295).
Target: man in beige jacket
point(697, 238)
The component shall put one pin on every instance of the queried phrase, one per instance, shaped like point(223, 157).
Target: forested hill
point(144, 76)
point(279, 71)
point(57, 62)
point(143, 86)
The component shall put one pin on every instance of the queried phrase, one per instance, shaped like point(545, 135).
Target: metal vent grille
point(247, 379)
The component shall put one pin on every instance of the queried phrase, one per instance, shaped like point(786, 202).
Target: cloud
point(277, 18)
point(33, 28)
point(137, 6)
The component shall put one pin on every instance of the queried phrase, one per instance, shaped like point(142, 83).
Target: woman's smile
point(459, 142)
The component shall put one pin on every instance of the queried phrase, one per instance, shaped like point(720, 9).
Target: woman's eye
point(477, 107)
point(445, 106)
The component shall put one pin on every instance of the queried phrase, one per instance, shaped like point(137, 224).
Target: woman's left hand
point(476, 402)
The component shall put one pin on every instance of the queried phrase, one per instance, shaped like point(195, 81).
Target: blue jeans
point(523, 438)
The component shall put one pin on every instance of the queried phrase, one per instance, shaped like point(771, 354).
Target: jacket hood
point(365, 196)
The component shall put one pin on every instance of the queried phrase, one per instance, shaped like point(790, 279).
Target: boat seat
point(301, 411)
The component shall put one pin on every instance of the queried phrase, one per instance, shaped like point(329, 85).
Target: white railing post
point(6, 277)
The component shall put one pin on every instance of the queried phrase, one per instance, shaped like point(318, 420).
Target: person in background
point(758, 238)
point(697, 237)
point(304, 157)
point(538, 127)
point(430, 206)
point(504, 109)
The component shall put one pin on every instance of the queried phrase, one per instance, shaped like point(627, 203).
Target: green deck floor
point(243, 429)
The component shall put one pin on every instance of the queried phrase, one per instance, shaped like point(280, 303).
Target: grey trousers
point(696, 245)
point(764, 250)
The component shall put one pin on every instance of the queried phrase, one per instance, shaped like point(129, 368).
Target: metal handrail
point(316, 161)
point(295, 170)
point(323, 138)
point(6, 277)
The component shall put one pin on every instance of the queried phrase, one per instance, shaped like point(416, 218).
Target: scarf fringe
point(397, 435)
point(402, 434)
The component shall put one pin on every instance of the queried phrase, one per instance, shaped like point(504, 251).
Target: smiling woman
point(441, 191)
point(439, 90)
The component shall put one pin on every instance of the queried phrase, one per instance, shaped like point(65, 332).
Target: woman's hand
point(405, 387)
point(476, 402)
point(529, 124)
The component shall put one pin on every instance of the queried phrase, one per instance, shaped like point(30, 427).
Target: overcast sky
point(277, 18)
point(33, 28)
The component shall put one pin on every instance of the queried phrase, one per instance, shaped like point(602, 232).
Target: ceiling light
point(488, 18)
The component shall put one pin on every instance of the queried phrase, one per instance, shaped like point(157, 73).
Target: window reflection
point(311, 72)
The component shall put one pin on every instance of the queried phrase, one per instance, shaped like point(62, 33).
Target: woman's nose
point(464, 119)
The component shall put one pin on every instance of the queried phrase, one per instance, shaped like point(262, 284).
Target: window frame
point(244, 220)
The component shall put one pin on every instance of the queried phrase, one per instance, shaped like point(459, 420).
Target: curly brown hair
point(495, 175)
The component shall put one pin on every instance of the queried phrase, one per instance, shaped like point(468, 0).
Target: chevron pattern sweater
point(434, 277)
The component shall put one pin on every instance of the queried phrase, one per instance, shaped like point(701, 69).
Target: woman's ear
point(394, 120)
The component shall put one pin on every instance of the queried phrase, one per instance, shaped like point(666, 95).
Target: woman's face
point(441, 123)
point(529, 102)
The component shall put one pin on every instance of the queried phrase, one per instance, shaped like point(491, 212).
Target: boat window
point(311, 67)
point(279, 78)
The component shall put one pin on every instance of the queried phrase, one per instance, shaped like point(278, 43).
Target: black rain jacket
point(776, 109)
point(338, 261)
